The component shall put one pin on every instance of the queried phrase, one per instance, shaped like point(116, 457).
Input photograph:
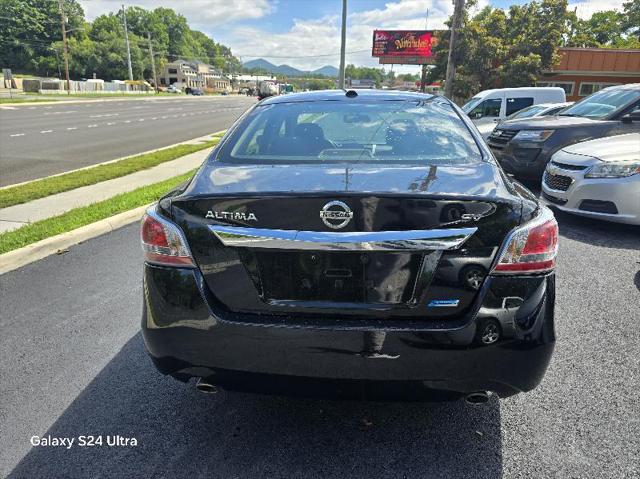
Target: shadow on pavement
point(598, 232)
point(183, 433)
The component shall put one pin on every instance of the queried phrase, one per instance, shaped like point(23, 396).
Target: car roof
point(625, 86)
point(483, 93)
point(341, 95)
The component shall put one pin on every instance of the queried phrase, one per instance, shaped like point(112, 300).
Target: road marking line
point(141, 119)
point(46, 131)
point(18, 134)
point(59, 112)
point(154, 118)
point(127, 121)
point(72, 128)
point(92, 126)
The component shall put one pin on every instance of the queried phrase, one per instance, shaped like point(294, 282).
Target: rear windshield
point(603, 103)
point(422, 131)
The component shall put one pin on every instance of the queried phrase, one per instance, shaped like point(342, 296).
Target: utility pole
point(423, 76)
point(66, 46)
point(153, 62)
point(458, 10)
point(126, 39)
point(343, 43)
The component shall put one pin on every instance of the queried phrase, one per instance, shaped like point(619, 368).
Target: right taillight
point(163, 242)
point(532, 247)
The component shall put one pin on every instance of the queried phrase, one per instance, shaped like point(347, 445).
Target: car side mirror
point(630, 117)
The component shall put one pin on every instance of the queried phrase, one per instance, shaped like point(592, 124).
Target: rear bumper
point(186, 338)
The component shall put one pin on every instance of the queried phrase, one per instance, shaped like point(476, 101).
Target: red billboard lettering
point(402, 43)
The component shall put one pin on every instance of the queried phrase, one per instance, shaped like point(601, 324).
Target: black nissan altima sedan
point(325, 248)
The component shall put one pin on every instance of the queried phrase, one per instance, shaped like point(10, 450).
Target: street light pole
point(343, 45)
point(126, 39)
point(453, 38)
point(66, 46)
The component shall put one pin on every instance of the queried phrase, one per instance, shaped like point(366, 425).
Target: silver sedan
point(597, 178)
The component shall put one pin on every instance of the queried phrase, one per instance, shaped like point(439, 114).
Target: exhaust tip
point(480, 397)
point(205, 387)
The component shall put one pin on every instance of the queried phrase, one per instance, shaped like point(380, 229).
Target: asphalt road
point(72, 363)
point(41, 140)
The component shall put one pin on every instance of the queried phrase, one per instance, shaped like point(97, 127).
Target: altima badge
point(336, 214)
point(231, 215)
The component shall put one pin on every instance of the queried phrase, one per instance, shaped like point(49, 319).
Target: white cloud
point(413, 11)
point(586, 8)
point(210, 12)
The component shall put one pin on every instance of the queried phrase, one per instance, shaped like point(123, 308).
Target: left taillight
point(163, 242)
point(531, 248)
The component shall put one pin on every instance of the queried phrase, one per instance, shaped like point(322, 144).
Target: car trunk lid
point(395, 253)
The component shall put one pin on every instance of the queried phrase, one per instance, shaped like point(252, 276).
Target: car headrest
point(309, 130)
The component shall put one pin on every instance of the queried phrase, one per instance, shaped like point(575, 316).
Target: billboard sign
point(402, 43)
point(390, 60)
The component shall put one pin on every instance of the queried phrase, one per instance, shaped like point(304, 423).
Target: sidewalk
point(16, 216)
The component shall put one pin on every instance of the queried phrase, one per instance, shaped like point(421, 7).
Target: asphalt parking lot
point(72, 363)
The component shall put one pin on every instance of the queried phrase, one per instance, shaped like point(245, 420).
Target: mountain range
point(262, 64)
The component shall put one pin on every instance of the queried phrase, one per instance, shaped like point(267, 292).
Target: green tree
point(631, 18)
point(31, 40)
point(29, 27)
point(503, 49)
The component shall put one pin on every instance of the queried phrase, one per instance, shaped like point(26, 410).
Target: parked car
point(196, 92)
point(524, 147)
point(490, 106)
point(534, 111)
point(173, 89)
point(305, 256)
point(597, 178)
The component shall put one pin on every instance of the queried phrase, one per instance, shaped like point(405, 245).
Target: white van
point(491, 106)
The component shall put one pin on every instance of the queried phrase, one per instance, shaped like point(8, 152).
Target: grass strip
point(85, 215)
point(33, 190)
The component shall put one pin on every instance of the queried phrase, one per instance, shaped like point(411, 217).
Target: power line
point(303, 56)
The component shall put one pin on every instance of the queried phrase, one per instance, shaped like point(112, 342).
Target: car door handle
point(399, 241)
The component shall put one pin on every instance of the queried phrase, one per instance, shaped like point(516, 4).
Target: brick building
point(582, 71)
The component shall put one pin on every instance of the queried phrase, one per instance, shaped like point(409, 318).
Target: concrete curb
point(36, 251)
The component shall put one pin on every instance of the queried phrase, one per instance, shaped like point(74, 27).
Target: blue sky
point(306, 33)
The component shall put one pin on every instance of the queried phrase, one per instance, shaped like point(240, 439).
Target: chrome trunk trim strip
point(400, 241)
